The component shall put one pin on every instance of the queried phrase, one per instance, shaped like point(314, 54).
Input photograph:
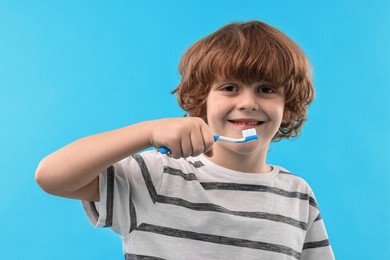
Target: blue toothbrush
point(248, 135)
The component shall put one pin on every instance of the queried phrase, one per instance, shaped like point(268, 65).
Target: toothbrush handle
point(164, 150)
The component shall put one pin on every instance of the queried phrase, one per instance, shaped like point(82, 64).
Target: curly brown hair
point(249, 52)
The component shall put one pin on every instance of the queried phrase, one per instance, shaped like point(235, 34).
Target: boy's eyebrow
point(236, 81)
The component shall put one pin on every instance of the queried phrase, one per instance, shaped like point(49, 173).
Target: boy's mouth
point(246, 122)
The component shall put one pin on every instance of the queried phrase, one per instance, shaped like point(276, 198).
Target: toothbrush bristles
point(249, 132)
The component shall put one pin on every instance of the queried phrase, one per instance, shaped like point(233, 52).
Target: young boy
point(206, 199)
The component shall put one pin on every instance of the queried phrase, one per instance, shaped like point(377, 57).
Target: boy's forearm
point(79, 163)
point(73, 170)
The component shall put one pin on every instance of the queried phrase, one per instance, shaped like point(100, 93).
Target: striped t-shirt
point(165, 208)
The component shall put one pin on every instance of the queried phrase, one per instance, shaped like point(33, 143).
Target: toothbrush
point(248, 135)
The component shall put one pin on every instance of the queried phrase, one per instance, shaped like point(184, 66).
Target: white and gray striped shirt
point(191, 208)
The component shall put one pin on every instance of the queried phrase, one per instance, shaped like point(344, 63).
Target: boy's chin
point(248, 148)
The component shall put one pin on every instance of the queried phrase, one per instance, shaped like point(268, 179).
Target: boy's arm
point(73, 171)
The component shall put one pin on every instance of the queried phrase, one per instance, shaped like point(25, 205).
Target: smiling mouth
point(246, 123)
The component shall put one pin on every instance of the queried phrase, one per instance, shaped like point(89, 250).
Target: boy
point(206, 200)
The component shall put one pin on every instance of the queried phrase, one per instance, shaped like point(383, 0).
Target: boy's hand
point(185, 137)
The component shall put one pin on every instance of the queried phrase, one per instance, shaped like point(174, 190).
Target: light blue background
point(69, 69)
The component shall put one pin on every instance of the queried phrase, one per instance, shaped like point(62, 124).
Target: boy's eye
point(230, 88)
point(266, 90)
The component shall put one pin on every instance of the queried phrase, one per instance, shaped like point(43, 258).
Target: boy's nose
point(248, 101)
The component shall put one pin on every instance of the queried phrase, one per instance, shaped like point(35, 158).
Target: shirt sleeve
point(316, 245)
point(127, 193)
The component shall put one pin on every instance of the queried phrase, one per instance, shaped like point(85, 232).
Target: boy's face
point(233, 106)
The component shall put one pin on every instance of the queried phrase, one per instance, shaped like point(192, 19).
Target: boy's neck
point(251, 163)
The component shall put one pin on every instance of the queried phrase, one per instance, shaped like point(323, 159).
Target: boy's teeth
point(245, 123)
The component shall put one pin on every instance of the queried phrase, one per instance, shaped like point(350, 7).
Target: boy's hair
point(248, 52)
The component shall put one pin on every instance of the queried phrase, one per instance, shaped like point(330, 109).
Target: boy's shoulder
point(293, 181)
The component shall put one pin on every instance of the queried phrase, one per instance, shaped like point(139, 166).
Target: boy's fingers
point(208, 138)
point(197, 143)
point(186, 147)
point(191, 138)
point(175, 149)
